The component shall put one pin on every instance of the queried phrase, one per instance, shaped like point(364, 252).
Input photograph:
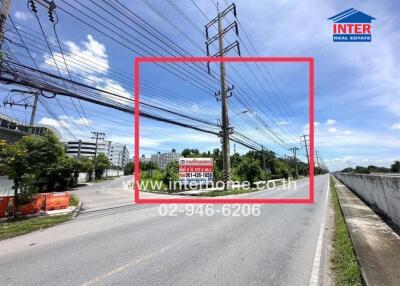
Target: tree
point(348, 170)
point(129, 168)
point(395, 167)
point(36, 163)
point(188, 153)
point(102, 163)
point(361, 170)
point(171, 173)
point(249, 169)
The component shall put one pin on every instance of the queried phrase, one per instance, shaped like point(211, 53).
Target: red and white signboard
point(196, 170)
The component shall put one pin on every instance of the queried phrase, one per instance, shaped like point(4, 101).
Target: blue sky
point(357, 95)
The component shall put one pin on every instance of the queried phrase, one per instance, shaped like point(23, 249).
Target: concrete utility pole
point(79, 148)
point(263, 158)
point(26, 105)
point(294, 149)
point(303, 139)
point(317, 158)
point(5, 8)
point(223, 93)
point(97, 136)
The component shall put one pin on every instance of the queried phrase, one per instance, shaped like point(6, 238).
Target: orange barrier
point(57, 201)
point(32, 207)
point(4, 205)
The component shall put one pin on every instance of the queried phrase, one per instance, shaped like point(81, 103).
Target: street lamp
point(239, 113)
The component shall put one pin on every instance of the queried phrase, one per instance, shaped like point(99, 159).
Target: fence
point(382, 191)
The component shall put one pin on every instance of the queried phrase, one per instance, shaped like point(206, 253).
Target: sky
point(357, 85)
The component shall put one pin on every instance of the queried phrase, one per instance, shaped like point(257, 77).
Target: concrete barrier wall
point(380, 190)
point(6, 186)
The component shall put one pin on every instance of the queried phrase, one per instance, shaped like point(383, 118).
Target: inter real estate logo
point(352, 26)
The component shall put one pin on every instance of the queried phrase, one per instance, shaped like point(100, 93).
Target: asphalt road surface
point(133, 245)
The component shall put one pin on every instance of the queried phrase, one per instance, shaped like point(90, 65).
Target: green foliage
point(129, 168)
point(148, 165)
point(21, 226)
point(101, 164)
point(171, 172)
point(249, 169)
point(343, 257)
point(40, 162)
point(27, 188)
point(190, 153)
point(395, 167)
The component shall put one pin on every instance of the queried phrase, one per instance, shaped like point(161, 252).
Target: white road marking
point(119, 269)
point(318, 251)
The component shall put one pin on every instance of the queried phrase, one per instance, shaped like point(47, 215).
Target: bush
point(26, 188)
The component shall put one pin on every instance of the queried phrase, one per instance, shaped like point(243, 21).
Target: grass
point(21, 226)
point(344, 260)
point(74, 201)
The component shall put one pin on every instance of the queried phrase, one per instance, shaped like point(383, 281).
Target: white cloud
point(54, 123)
point(330, 122)
point(91, 59)
point(283, 122)
point(332, 130)
point(347, 132)
point(21, 15)
point(79, 121)
point(395, 126)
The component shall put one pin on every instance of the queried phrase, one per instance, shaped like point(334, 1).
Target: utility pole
point(5, 8)
point(26, 105)
point(305, 141)
point(263, 158)
point(97, 136)
point(294, 149)
point(223, 93)
point(79, 148)
point(318, 161)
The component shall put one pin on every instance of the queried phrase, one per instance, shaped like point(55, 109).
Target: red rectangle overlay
point(308, 60)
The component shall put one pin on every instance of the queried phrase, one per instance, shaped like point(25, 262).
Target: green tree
point(36, 162)
point(249, 169)
point(101, 163)
point(171, 173)
point(188, 153)
point(395, 167)
point(361, 170)
point(129, 168)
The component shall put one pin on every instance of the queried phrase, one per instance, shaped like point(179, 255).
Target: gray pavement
point(133, 245)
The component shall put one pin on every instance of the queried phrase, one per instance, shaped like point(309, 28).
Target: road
point(134, 245)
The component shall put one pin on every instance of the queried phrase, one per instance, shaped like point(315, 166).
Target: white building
point(163, 159)
point(117, 153)
point(79, 148)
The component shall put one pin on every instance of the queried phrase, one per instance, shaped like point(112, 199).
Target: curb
point(77, 210)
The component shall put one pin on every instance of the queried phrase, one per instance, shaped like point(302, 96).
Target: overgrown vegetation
point(394, 168)
point(21, 226)
point(74, 201)
point(343, 258)
point(247, 167)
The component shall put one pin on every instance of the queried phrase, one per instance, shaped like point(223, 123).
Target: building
point(11, 130)
point(163, 159)
point(79, 148)
point(117, 153)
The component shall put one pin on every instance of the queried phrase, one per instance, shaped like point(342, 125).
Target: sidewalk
point(376, 245)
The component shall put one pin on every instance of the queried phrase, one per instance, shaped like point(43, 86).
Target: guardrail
point(379, 190)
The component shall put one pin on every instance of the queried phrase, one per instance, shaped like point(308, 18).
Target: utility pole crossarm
point(223, 93)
